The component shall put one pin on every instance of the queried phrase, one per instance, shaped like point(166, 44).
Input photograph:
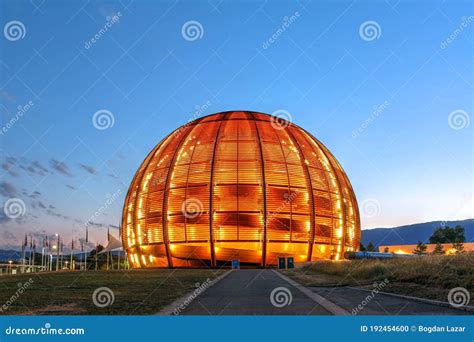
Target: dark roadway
point(248, 292)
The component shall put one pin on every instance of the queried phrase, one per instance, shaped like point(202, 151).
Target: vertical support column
point(264, 184)
point(211, 194)
point(355, 207)
point(136, 187)
point(187, 184)
point(309, 186)
point(166, 190)
point(356, 219)
point(331, 159)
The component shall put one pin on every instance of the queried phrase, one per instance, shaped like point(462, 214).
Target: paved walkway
point(380, 304)
point(264, 292)
point(247, 292)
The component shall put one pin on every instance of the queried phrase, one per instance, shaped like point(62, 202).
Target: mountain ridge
point(412, 233)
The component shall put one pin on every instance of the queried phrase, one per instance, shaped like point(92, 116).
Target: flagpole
point(87, 240)
point(34, 255)
point(108, 240)
point(57, 254)
point(72, 247)
point(23, 250)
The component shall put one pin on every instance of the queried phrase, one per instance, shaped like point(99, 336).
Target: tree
point(362, 247)
point(420, 248)
point(458, 247)
point(448, 235)
point(439, 249)
point(386, 250)
point(370, 247)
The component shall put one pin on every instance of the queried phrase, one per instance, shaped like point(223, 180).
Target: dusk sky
point(87, 89)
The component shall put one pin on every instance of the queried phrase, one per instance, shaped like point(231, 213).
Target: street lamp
point(54, 248)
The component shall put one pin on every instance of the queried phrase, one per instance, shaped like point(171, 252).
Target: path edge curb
point(467, 308)
point(324, 302)
point(169, 309)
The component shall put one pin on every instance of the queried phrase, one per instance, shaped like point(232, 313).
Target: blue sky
point(392, 102)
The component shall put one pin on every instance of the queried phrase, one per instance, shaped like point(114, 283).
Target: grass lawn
point(136, 292)
point(429, 276)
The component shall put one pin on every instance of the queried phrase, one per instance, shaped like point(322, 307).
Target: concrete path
point(381, 304)
point(249, 292)
point(265, 292)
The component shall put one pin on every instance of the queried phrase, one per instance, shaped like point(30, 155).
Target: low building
point(408, 249)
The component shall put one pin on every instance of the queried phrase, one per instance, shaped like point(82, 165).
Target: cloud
point(111, 175)
point(6, 235)
point(8, 167)
point(53, 213)
point(40, 168)
point(88, 168)
point(35, 194)
point(7, 189)
point(11, 160)
point(33, 168)
point(41, 205)
point(70, 187)
point(61, 167)
point(3, 217)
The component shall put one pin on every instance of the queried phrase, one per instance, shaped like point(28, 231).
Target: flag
point(26, 241)
point(34, 245)
point(108, 233)
point(72, 244)
point(82, 246)
point(87, 234)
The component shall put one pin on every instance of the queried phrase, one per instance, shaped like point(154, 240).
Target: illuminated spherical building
point(239, 185)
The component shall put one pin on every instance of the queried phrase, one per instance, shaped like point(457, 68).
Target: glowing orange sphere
point(238, 185)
